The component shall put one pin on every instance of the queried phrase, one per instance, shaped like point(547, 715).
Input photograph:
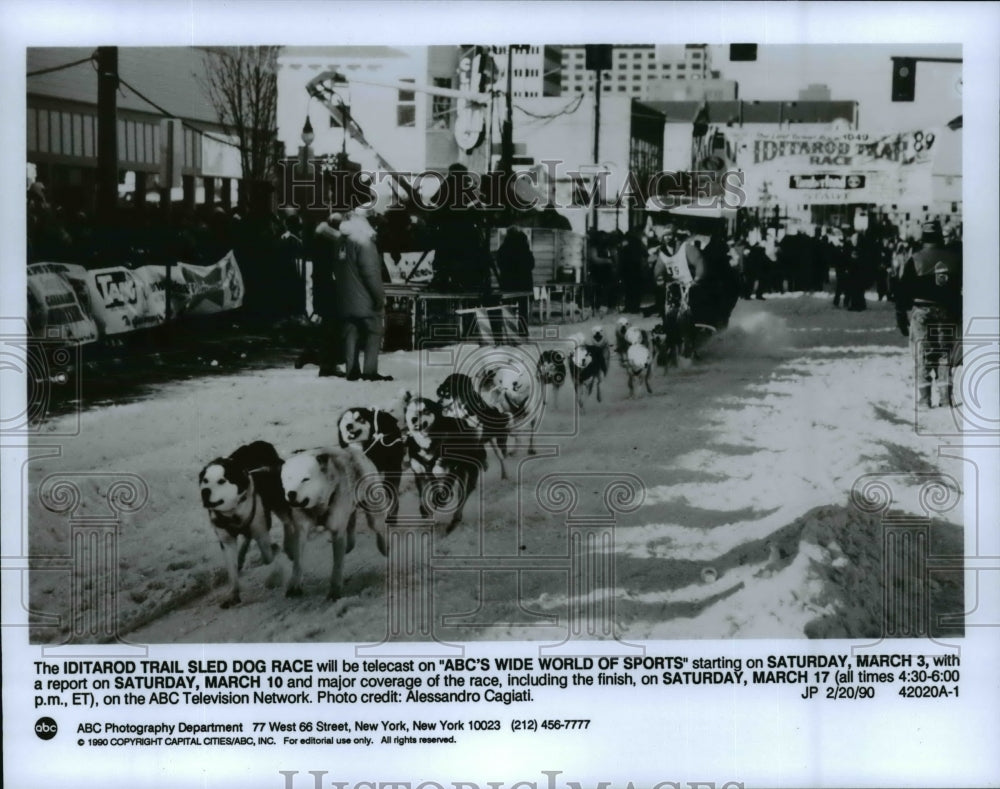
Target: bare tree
point(242, 85)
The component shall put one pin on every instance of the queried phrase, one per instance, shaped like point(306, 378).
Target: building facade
point(636, 69)
point(535, 70)
point(61, 115)
point(411, 129)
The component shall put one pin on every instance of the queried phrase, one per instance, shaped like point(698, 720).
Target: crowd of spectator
point(271, 249)
point(849, 263)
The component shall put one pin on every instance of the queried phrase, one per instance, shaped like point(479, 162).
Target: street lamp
point(305, 152)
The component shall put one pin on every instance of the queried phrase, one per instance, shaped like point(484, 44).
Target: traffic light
point(904, 79)
point(742, 52)
point(598, 57)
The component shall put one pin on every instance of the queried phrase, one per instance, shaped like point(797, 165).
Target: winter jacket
point(358, 275)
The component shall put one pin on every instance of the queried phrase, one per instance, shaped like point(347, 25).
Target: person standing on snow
point(360, 297)
point(929, 308)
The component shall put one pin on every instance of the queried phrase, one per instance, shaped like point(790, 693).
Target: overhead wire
point(169, 114)
point(50, 70)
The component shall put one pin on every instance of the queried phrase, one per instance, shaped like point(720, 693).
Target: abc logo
point(45, 728)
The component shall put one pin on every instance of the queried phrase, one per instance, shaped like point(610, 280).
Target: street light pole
point(597, 135)
point(107, 133)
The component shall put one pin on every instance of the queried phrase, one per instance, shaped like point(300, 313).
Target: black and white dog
point(241, 492)
point(376, 432)
point(600, 339)
point(621, 344)
point(636, 336)
point(638, 358)
point(445, 458)
point(664, 352)
point(551, 371)
point(638, 365)
point(514, 391)
point(588, 367)
point(459, 398)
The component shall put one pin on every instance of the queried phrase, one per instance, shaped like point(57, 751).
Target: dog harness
point(230, 523)
point(377, 437)
point(426, 460)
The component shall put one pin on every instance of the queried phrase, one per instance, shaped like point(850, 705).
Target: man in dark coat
point(632, 265)
point(929, 309)
point(327, 246)
point(360, 298)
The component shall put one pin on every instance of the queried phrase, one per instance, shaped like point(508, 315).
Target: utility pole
point(107, 133)
point(598, 59)
point(507, 129)
point(597, 135)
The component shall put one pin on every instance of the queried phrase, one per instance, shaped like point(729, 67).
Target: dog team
point(443, 442)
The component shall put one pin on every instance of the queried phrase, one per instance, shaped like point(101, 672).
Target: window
point(406, 107)
point(621, 88)
point(696, 56)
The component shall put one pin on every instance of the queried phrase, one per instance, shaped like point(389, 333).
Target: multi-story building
point(636, 68)
point(535, 70)
point(555, 139)
point(157, 82)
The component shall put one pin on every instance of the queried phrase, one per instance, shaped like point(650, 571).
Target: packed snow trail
point(747, 459)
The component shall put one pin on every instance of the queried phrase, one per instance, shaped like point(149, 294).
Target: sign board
point(219, 160)
point(203, 290)
point(836, 167)
point(57, 304)
point(75, 303)
point(834, 151)
point(121, 301)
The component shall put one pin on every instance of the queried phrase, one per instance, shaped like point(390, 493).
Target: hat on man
point(930, 229)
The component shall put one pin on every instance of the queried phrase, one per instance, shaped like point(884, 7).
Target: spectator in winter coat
point(755, 264)
point(327, 247)
point(515, 261)
point(515, 271)
point(360, 298)
point(603, 272)
point(929, 310)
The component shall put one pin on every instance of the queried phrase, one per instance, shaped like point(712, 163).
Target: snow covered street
point(744, 525)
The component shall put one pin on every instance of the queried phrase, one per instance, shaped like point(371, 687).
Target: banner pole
point(166, 294)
